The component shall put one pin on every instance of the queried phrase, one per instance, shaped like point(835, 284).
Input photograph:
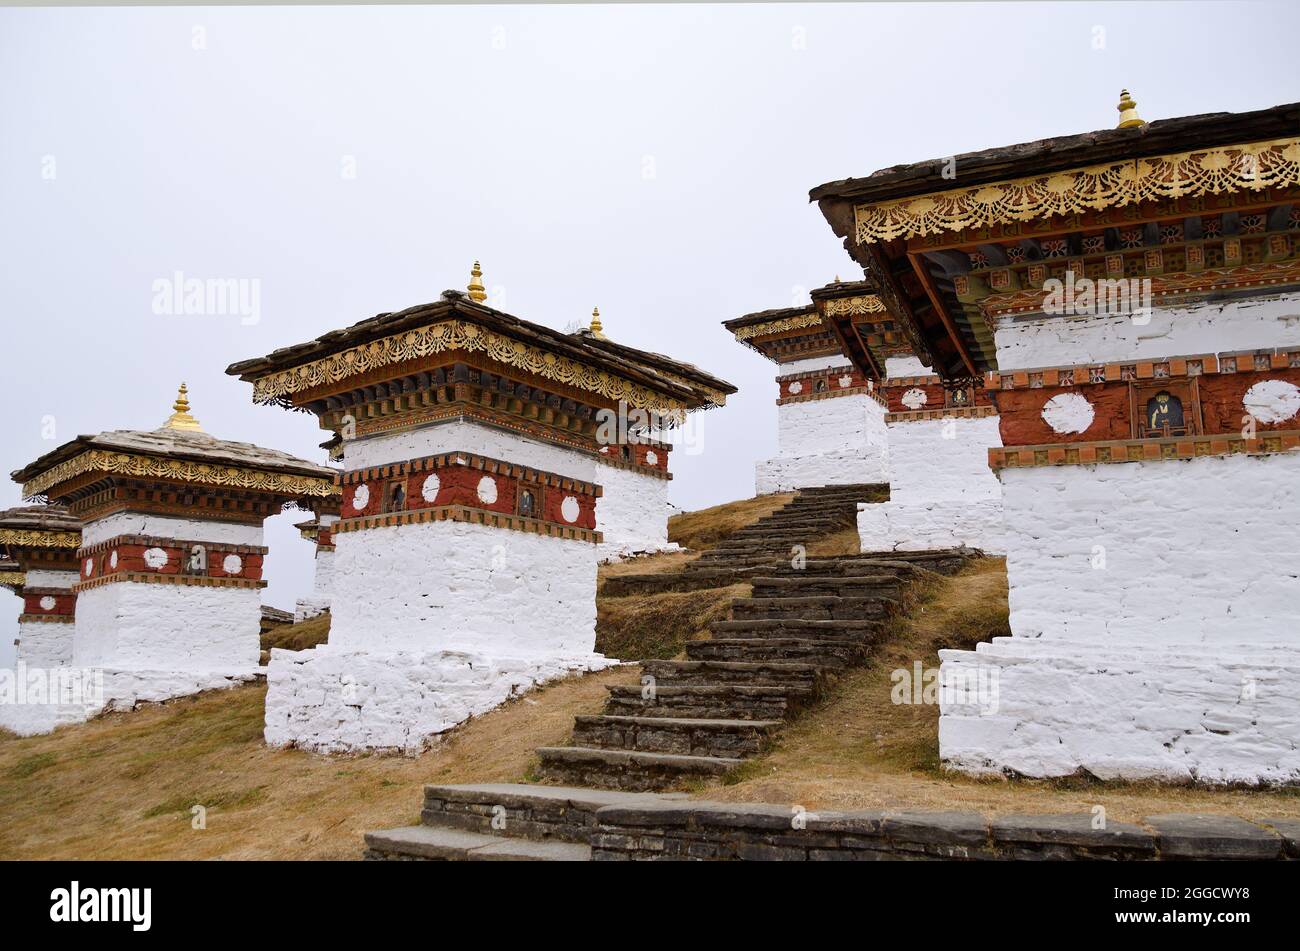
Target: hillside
point(123, 786)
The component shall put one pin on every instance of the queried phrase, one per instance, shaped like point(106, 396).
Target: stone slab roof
point(42, 518)
point(1044, 156)
point(763, 316)
point(178, 444)
point(649, 369)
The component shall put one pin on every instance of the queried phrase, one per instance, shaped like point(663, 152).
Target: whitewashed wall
point(449, 585)
point(836, 441)
point(942, 493)
point(1028, 342)
point(632, 512)
point(435, 622)
point(162, 526)
point(1153, 604)
point(136, 625)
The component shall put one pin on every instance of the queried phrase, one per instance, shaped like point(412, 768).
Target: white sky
point(520, 136)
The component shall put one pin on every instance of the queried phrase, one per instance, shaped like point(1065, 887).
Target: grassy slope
point(122, 786)
point(705, 528)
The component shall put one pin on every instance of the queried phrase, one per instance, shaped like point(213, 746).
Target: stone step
point(456, 845)
point(723, 702)
point(866, 631)
point(813, 608)
point(686, 736)
point(712, 673)
point(620, 769)
point(824, 652)
point(803, 582)
point(560, 813)
point(782, 531)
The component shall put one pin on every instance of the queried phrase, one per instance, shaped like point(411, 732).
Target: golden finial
point(596, 329)
point(476, 290)
point(837, 279)
point(1128, 112)
point(181, 418)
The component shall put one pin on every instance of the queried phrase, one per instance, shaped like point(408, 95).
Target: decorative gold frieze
point(778, 326)
point(12, 579)
point(1253, 166)
point(179, 470)
point(854, 306)
point(28, 538)
point(452, 335)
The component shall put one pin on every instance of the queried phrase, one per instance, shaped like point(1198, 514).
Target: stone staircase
point(495, 822)
point(812, 515)
point(701, 717)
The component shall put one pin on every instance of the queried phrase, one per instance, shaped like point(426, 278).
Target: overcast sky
point(652, 160)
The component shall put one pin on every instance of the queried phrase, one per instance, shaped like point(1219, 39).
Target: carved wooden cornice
point(1252, 166)
point(452, 335)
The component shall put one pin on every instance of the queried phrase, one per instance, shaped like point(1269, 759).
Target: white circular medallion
point(569, 509)
point(361, 497)
point(846, 381)
point(1272, 401)
point(155, 558)
point(487, 490)
point(429, 491)
point(795, 387)
point(232, 565)
point(1068, 413)
point(90, 567)
point(915, 398)
point(112, 559)
point(47, 603)
point(651, 457)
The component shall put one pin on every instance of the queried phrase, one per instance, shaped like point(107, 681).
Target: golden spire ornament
point(476, 290)
point(180, 417)
point(596, 329)
point(1128, 112)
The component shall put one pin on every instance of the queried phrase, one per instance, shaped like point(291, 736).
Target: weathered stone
point(1191, 836)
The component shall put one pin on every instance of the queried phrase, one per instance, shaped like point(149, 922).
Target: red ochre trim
point(459, 476)
point(1140, 450)
point(65, 603)
point(155, 578)
point(951, 412)
point(130, 551)
point(1204, 364)
point(472, 516)
point(1214, 401)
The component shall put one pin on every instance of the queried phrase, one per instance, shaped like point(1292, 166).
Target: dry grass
point(648, 564)
point(861, 751)
point(705, 528)
point(122, 786)
point(298, 637)
point(843, 542)
point(657, 626)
